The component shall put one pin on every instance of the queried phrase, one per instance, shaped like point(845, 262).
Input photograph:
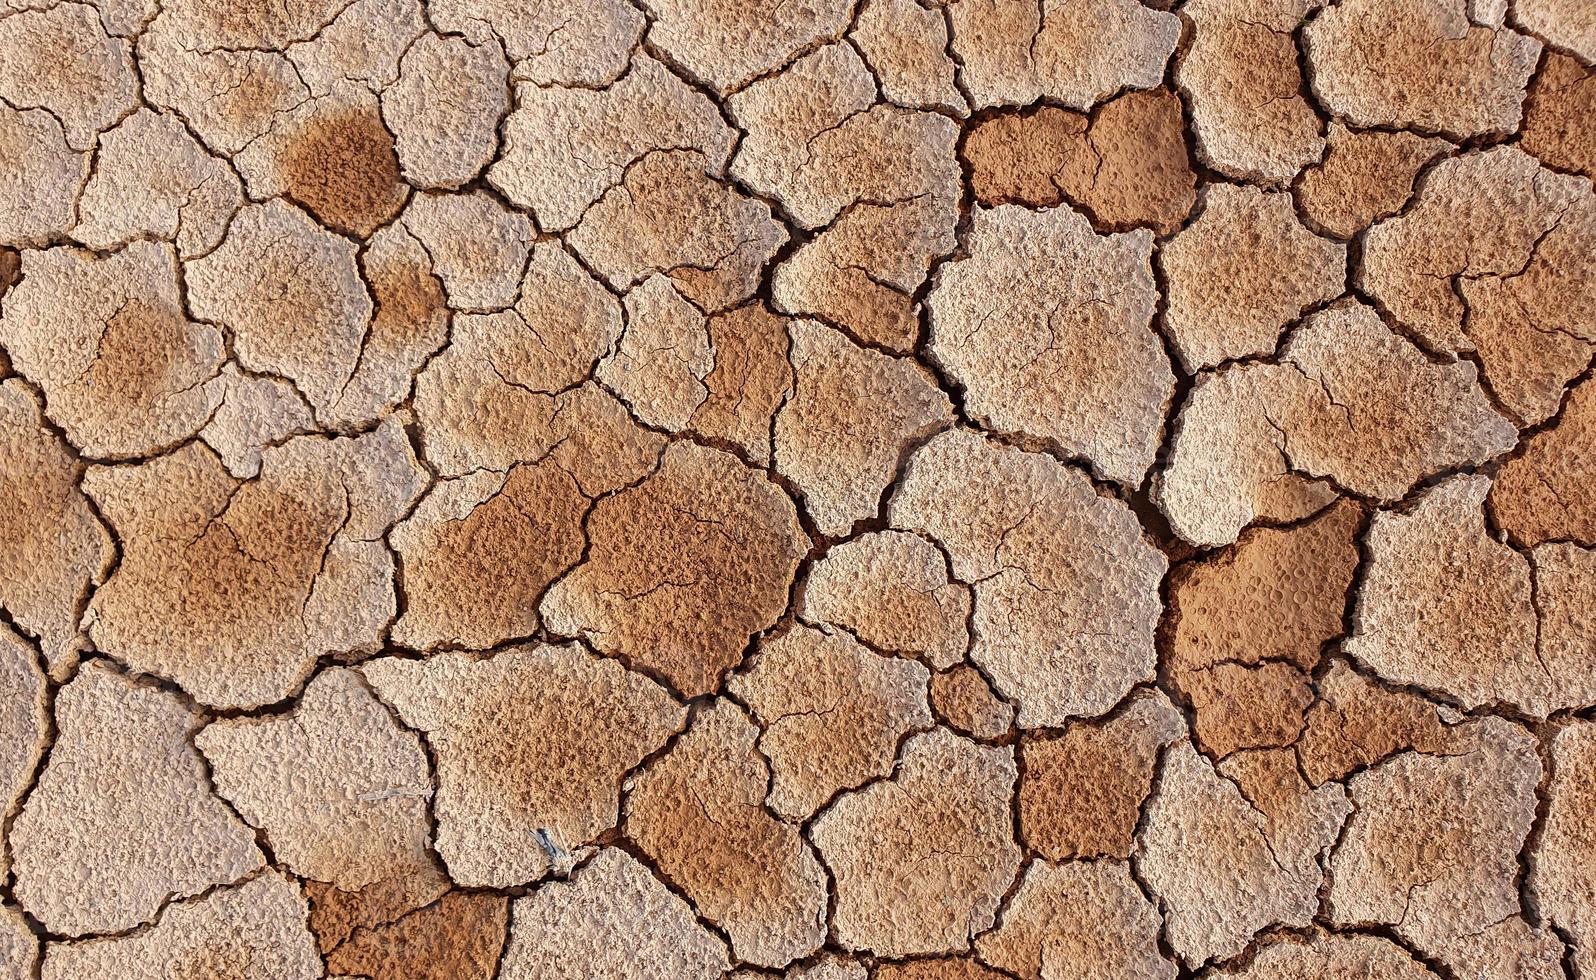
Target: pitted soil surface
point(773, 490)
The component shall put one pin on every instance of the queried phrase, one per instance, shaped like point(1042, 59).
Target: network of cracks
point(829, 490)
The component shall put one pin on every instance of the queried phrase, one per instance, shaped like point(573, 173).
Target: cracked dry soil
point(826, 490)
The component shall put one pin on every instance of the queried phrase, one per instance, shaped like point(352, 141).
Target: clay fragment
point(227, 76)
point(254, 931)
point(531, 745)
point(922, 860)
point(892, 590)
point(1561, 97)
point(1245, 86)
point(1357, 722)
point(479, 552)
point(364, 42)
point(1349, 401)
point(478, 246)
point(409, 325)
point(1365, 176)
point(123, 368)
point(19, 947)
point(1126, 164)
point(1015, 52)
point(291, 294)
point(152, 178)
point(905, 45)
point(1562, 890)
point(1543, 494)
point(255, 412)
point(564, 148)
point(357, 809)
point(550, 42)
point(1029, 324)
point(443, 110)
point(1258, 866)
point(1431, 849)
point(833, 714)
point(1419, 64)
point(1241, 273)
point(124, 801)
point(1495, 257)
point(1085, 919)
point(233, 588)
point(1565, 23)
point(722, 376)
point(965, 702)
point(820, 117)
point(332, 156)
point(1240, 707)
point(1277, 595)
point(864, 272)
point(1447, 607)
point(1250, 625)
point(62, 60)
point(1056, 640)
point(728, 42)
point(45, 177)
point(1330, 956)
point(614, 919)
point(1082, 791)
point(458, 938)
point(852, 414)
point(668, 216)
point(53, 549)
point(25, 721)
point(698, 812)
point(938, 968)
point(336, 915)
point(682, 568)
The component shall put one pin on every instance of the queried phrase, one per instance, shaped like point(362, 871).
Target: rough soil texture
point(798, 490)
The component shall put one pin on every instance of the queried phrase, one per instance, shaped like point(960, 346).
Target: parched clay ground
point(804, 489)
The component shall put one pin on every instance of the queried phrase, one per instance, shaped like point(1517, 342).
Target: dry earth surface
point(804, 489)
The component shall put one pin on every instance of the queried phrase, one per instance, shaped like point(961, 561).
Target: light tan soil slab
point(254, 931)
point(358, 810)
point(505, 814)
point(1344, 404)
point(53, 547)
point(1060, 641)
point(1431, 850)
point(124, 799)
point(1047, 325)
point(613, 919)
point(945, 810)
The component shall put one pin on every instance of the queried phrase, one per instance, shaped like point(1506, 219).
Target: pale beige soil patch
point(124, 799)
point(486, 721)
